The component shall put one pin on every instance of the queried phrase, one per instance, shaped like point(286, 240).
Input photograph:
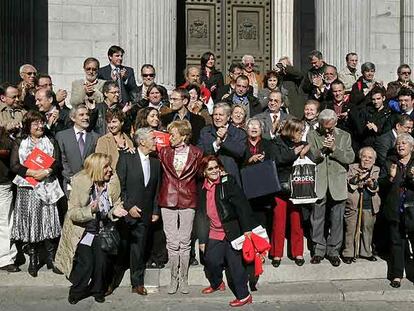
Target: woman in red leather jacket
point(178, 200)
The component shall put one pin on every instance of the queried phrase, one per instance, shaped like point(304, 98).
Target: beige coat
point(78, 95)
point(78, 214)
point(106, 144)
point(353, 194)
point(6, 115)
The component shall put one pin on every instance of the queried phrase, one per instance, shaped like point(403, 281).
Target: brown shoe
point(140, 290)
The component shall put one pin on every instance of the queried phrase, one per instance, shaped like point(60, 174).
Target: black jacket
point(216, 79)
point(391, 191)
point(254, 104)
point(197, 123)
point(233, 209)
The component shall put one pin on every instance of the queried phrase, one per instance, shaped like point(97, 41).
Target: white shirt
point(272, 115)
point(145, 163)
point(215, 147)
point(115, 69)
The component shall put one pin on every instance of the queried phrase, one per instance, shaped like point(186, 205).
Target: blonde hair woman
point(94, 202)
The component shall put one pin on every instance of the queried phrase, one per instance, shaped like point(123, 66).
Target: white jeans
point(7, 253)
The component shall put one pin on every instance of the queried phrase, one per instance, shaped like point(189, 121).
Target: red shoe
point(242, 302)
point(209, 290)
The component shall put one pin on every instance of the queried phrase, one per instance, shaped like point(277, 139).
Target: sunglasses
point(91, 69)
point(31, 73)
point(405, 72)
point(249, 64)
point(152, 75)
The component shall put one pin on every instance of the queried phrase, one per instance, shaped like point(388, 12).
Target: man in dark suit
point(148, 78)
point(139, 176)
point(273, 118)
point(385, 144)
point(57, 118)
point(179, 102)
point(224, 140)
point(76, 144)
point(242, 96)
point(115, 71)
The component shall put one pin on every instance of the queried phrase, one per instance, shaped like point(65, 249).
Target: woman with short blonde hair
point(183, 127)
point(94, 203)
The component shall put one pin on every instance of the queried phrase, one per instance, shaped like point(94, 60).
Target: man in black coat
point(224, 140)
point(242, 96)
point(148, 78)
point(122, 75)
point(385, 144)
point(139, 176)
point(179, 102)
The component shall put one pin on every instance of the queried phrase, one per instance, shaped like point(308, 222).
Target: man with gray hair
point(75, 144)
point(333, 153)
point(224, 140)
point(139, 175)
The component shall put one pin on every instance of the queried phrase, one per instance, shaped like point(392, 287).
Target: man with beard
point(75, 144)
point(89, 89)
point(179, 100)
point(403, 81)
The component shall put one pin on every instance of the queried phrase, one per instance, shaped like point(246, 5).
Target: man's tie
point(81, 143)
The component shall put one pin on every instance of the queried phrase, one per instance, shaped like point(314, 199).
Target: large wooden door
point(229, 29)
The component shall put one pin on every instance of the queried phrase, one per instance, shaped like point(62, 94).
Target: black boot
point(51, 252)
point(33, 259)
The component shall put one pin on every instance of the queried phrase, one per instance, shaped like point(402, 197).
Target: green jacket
point(331, 170)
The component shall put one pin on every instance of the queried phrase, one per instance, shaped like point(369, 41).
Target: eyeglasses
point(405, 72)
point(145, 75)
point(38, 123)
point(31, 73)
point(249, 64)
point(13, 97)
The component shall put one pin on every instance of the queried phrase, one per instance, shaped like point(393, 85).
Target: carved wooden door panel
point(229, 29)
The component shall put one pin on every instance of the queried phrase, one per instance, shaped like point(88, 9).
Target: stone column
point(282, 29)
point(343, 26)
point(408, 32)
point(148, 31)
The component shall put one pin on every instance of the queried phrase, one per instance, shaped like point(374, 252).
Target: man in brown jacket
point(11, 113)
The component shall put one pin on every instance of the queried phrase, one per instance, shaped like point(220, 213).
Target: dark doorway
point(23, 36)
point(303, 32)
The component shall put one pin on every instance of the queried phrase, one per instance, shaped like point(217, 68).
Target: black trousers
point(400, 251)
point(156, 249)
point(89, 272)
point(131, 253)
point(219, 256)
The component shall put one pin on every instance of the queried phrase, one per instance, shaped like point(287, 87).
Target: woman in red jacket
point(178, 199)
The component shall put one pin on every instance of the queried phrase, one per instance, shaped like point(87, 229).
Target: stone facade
point(379, 31)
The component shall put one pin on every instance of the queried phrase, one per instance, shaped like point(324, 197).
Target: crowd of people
point(130, 177)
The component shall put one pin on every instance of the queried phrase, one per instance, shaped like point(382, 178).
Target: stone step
point(286, 272)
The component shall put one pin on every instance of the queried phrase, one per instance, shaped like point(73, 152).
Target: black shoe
point(159, 265)
point(100, 299)
point(299, 261)
point(348, 260)
point(33, 260)
point(276, 262)
point(334, 260)
point(370, 258)
point(193, 261)
point(56, 270)
point(316, 260)
point(11, 268)
point(73, 300)
point(253, 287)
point(395, 283)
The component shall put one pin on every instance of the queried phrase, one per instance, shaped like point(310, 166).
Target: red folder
point(162, 139)
point(37, 160)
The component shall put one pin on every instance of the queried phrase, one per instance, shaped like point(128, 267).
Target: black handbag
point(260, 179)
point(110, 238)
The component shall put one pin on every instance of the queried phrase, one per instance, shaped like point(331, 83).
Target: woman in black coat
point(397, 185)
point(289, 146)
point(223, 215)
point(210, 76)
